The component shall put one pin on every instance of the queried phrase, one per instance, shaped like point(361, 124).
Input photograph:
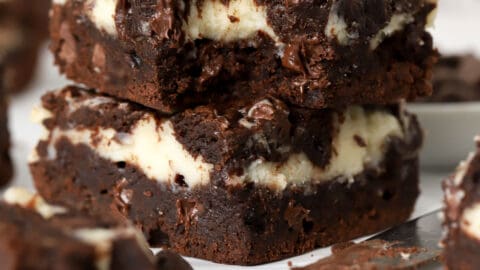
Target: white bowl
point(449, 131)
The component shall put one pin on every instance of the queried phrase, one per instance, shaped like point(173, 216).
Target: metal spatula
point(424, 233)
point(412, 245)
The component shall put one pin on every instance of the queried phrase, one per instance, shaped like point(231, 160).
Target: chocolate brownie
point(23, 27)
point(462, 215)
point(245, 180)
point(6, 169)
point(36, 235)
point(456, 78)
point(33, 15)
point(169, 55)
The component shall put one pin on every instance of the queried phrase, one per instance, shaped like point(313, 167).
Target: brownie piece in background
point(462, 214)
point(23, 29)
point(33, 15)
point(36, 235)
point(244, 180)
point(168, 55)
point(6, 168)
point(456, 78)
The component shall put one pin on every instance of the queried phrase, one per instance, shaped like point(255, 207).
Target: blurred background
point(452, 116)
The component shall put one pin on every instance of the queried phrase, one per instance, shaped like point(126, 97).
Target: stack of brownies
point(237, 131)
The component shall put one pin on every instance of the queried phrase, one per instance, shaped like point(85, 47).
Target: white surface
point(449, 131)
point(453, 35)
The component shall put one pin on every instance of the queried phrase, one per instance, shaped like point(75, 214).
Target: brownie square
point(245, 180)
point(37, 235)
point(168, 55)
